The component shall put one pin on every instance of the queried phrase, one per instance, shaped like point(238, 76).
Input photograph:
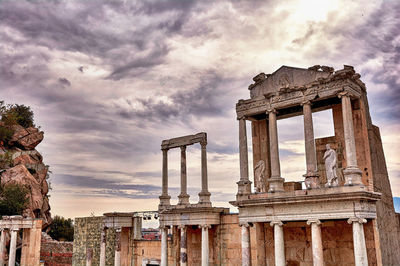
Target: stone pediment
point(285, 77)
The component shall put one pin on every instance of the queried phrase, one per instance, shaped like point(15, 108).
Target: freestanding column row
point(352, 173)
point(164, 246)
point(316, 241)
point(13, 246)
point(103, 246)
point(2, 245)
point(360, 249)
point(183, 197)
point(276, 181)
point(246, 255)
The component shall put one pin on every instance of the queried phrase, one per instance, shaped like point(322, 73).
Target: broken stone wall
point(55, 253)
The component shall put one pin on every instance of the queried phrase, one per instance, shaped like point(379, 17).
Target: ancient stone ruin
point(343, 215)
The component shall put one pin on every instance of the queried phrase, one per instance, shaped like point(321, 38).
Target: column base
point(276, 184)
point(312, 180)
point(164, 202)
point(204, 199)
point(352, 176)
point(244, 189)
point(183, 199)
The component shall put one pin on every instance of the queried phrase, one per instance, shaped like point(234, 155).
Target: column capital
point(164, 227)
point(357, 219)
point(183, 148)
point(118, 229)
point(204, 226)
point(305, 102)
point(203, 143)
point(242, 117)
point(343, 94)
point(311, 221)
point(271, 110)
point(182, 227)
point(245, 224)
point(165, 149)
point(14, 229)
point(276, 222)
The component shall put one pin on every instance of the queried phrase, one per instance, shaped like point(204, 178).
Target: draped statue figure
point(259, 175)
point(330, 158)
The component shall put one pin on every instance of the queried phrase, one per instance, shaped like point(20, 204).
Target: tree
point(62, 229)
point(16, 114)
point(13, 199)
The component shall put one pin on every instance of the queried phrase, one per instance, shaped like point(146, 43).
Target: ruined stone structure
point(344, 214)
point(31, 239)
point(362, 199)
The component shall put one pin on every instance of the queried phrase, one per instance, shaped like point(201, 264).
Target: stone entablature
point(192, 216)
point(345, 80)
point(324, 204)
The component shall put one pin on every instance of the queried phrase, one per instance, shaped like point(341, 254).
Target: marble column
point(183, 197)
point(183, 258)
point(276, 181)
point(279, 243)
point(164, 246)
point(204, 195)
point(311, 175)
point(89, 255)
point(351, 173)
point(165, 198)
point(360, 249)
point(117, 257)
point(316, 241)
point(246, 253)
point(244, 184)
point(103, 246)
point(204, 245)
point(13, 246)
point(2, 245)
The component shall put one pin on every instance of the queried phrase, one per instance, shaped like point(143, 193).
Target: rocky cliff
point(23, 164)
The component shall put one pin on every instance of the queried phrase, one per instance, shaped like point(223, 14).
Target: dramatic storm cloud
point(108, 80)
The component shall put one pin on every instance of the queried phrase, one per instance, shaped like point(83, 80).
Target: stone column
point(183, 197)
point(279, 243)
point(164, 246)
point(244, 184)
point(204, 245)
point(276, 181)
point(103, 246)
point(351, 173)
point(2, 245)
point(246, 253)
point(316, 237)
point(165, 198)
point(360, 249)
point(312, 180)
point(117, 257)
point(89, 255)
point(183, 245)
point(13, 246)
point(204, 195)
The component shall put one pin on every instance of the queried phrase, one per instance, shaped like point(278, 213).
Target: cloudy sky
point(109, 80)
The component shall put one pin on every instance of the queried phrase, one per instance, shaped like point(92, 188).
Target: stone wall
point(55, 253)
point(87, 233)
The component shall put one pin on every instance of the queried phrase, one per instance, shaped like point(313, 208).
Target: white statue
point(330, 158)
point(259, 175)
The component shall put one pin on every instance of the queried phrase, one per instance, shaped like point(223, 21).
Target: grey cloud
point(64, 82)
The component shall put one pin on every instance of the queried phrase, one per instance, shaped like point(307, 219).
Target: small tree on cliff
point(20, 114)
point(62, 229)
point(13, 199)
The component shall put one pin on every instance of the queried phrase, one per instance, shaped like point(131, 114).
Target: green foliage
point(62, 229)
point(12, 114)
point(13, 199)
point(5, 135)
point(6, 160)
